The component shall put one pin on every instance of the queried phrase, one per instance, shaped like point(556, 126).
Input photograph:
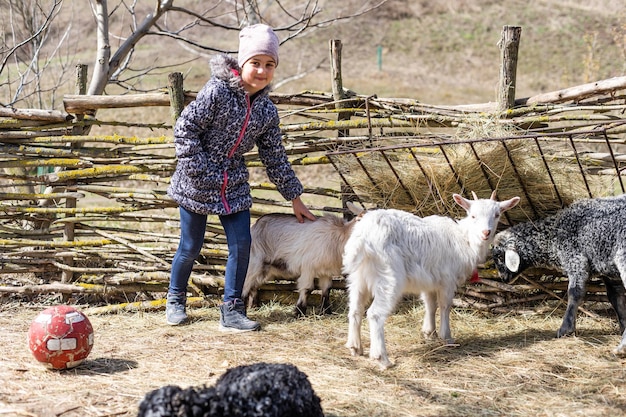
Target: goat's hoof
point(355, 351)
point(620, 351)
point(383, 364)
point(565, 332)
point(429, 335)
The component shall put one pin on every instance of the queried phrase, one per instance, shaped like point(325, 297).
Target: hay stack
point(423, 179)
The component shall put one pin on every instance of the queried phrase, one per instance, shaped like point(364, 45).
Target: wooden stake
point(509, 45)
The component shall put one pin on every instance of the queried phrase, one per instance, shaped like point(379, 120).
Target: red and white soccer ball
point(60, 337)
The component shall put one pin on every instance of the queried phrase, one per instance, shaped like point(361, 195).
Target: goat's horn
point(475, 196)
point(493, 195)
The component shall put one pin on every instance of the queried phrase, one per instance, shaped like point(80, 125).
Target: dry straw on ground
point(503, 364)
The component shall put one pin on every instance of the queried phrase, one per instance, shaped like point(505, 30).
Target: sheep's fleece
point(257, 390)
point(588, 238)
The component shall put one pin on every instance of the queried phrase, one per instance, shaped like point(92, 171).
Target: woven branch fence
point(87, 216)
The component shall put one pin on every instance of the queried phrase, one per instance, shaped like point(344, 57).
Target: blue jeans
point(192, 228)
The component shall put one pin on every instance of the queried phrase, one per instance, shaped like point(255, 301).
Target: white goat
point(282, 248)
point(392, 252)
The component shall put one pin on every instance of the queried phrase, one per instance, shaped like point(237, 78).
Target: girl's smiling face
point(257, 73)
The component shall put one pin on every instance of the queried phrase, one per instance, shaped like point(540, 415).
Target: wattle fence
point(87, 216)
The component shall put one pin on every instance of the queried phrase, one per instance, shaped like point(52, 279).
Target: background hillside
point(443, 52)
point(435, 51)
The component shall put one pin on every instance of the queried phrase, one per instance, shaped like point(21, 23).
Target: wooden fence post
point(70, 202)
point(337, 83)
point(177, 95)
point(347, 194)
point(81, 89)
point(509, 46)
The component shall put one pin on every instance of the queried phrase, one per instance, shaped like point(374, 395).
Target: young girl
point(231, 114)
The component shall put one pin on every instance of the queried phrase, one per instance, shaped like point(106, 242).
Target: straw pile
point(422, 179)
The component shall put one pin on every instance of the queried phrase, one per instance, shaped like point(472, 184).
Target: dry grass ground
point(502, 366)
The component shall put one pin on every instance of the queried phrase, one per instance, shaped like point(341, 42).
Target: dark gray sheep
point(586, 239)
point(173, 401)
point(257, 390)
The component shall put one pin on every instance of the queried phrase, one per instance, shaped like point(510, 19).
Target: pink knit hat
point(257, 39)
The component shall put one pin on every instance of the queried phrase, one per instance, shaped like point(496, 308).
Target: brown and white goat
point(283, 248)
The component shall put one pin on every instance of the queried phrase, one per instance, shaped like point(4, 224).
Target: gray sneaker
point(175, 308)
point(233, 318)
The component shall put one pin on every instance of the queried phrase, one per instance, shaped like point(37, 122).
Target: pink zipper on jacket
point(232, 152)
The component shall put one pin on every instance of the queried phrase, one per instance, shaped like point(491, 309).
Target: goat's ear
point(353, 208)
point(509, 204)
point(511, 260)
point(461, 201)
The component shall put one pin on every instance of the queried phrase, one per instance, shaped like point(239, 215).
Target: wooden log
point(7, 243)
point(579, 92)
point(42, 137)
point(207, 280)
point(46, 162)
point(291, 285)
point(87, 104)
point(139, 306)
point(87, 270)
point(470, 304)
point(307, 99)
point(52, 116)
point(509, 46)
point(493, 297)
point(37, 196)
point(30, 135)
point(177, 95)
point(94, 172)
point(16, 124)
point(500, 286)
point(364, 123)
point(65, 210)
point(286, 297)
point(43, 289)
point(125, 289)
point(9, 270)
point(337, 86)
point(126, 277)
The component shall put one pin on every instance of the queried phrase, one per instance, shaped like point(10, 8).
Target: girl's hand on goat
point(301, 211)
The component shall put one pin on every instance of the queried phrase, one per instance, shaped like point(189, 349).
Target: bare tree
point(197, 28)
point(29, 45)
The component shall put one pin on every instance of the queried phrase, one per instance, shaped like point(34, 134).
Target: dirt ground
point(503, 365)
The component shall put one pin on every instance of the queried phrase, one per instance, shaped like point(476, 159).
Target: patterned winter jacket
point(211, 176)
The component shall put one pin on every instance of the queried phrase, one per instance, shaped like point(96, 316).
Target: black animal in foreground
point(588, 238)
point(257, 390)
